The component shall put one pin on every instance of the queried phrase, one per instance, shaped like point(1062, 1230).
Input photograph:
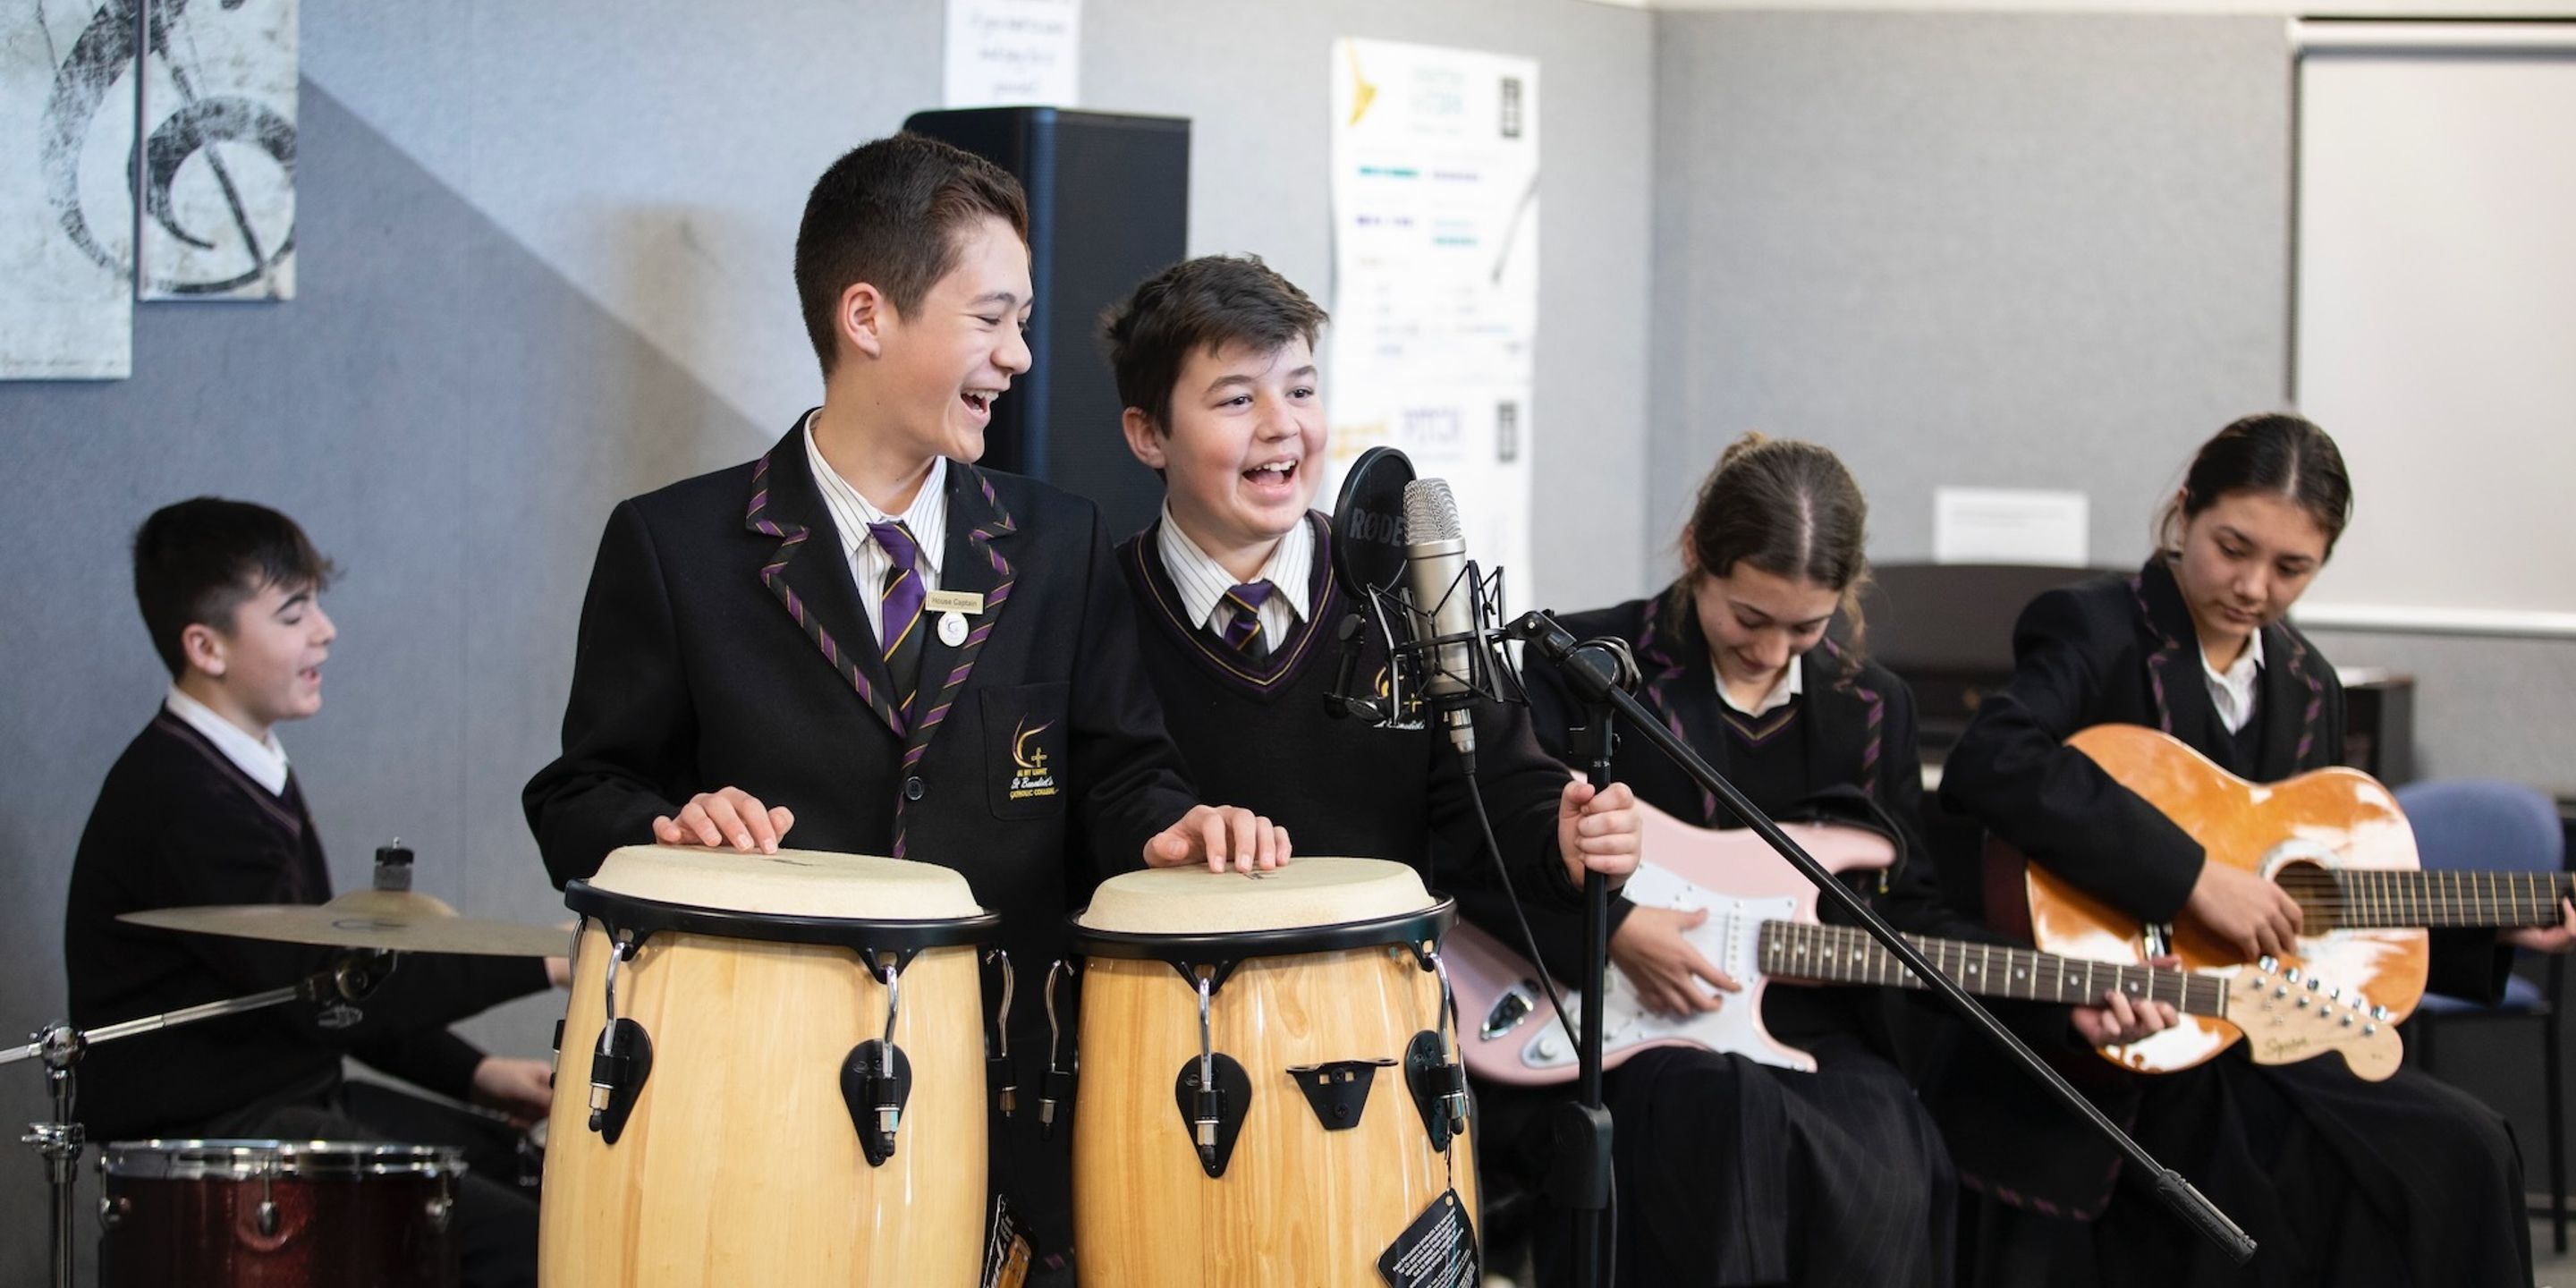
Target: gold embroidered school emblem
point(1031, 778)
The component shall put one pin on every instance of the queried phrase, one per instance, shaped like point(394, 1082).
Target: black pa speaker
point(1109, 202)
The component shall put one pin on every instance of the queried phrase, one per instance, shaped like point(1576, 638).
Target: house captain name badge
point(953, 607)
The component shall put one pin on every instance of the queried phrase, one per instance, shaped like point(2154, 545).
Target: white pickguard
point(1730, 939)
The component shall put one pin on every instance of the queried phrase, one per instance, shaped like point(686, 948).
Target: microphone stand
point(1582, 1130)
point(1594, 671)
point(61, 1046)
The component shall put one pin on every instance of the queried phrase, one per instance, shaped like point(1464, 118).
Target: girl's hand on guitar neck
point(2119, 1022)
point(1666, 970)
point(2257, 917)
point(2547, 939)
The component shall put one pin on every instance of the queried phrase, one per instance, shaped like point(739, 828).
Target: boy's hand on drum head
point(1597, 831)
point(730, 817)
point(1221, 836)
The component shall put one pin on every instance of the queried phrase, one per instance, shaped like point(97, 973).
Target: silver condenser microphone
point(1435, 567)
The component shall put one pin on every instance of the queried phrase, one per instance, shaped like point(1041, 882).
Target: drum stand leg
point(60, 1141)
point(352, 975)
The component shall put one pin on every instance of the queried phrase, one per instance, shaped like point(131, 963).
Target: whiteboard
point(2435, 318)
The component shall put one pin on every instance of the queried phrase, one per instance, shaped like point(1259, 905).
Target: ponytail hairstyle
point(1786, 507)
point(2274, 453)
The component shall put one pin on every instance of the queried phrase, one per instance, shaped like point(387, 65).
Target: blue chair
point(2493, 826)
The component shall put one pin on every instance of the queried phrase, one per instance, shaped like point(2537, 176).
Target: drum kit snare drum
point(779, 1069)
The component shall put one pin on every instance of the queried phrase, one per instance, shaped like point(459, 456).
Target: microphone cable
point(1529, 938)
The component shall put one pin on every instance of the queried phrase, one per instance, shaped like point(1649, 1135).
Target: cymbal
point(403, 921)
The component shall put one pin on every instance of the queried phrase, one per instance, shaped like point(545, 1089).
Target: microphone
point(1436, 572)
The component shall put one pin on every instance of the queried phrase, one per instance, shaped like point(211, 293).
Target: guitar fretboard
point(2361, 898)
point(1847, 955)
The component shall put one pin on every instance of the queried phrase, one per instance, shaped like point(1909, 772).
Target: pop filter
point(1368, 523)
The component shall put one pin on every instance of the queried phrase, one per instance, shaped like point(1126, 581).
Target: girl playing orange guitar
point(1729, 1171)
point(2339, 1181)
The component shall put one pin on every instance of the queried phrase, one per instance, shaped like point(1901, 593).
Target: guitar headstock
point(2289, 1015)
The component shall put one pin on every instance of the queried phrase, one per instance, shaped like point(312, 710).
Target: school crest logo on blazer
point(1032, 766)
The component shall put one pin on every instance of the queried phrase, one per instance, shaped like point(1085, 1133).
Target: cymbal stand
point(60, 1141)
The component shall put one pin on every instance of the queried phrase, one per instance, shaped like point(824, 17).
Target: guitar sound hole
point(2320, 899)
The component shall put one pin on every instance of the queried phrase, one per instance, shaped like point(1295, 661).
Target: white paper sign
point(1435, 278)
point(2011, 526)
point(1014, 53)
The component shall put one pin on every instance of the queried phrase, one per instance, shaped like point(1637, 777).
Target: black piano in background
point(1946, 630)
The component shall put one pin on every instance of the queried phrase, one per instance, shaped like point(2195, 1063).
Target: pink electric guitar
point(1762, 927)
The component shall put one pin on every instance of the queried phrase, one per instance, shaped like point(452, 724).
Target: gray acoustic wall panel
point(451, 422)
point(2010, 250)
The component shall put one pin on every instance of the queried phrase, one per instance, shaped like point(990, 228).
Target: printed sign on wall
point(1435, 278)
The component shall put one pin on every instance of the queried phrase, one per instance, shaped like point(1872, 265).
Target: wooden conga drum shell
point(1298, 1206)
point(740, 1163)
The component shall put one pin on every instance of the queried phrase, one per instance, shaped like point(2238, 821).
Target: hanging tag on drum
point(1007, 1254)
point(1437, 1251)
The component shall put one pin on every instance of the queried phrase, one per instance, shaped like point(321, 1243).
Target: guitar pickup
point(1515, 1005)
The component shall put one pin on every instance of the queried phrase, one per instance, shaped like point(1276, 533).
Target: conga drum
point(270, 1213)
point(772, 1073)
point(1269, 1090)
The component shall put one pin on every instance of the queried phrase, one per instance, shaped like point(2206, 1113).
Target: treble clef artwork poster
point(147, 151)
point(217, 171)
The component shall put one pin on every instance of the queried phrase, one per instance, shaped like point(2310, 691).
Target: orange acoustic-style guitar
point(2333, 838)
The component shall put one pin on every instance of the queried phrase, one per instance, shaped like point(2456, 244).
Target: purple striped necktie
point(1244, 634)
point(899, 609)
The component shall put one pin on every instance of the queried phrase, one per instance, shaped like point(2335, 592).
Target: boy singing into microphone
point(1235, 587)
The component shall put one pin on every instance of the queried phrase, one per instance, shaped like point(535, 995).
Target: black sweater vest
point(1260, 736)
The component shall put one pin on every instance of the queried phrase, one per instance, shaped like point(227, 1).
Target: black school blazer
point(723, 643)
point(2118, 649)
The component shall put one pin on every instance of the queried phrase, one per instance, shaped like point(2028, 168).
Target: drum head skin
point(790, 883)
point(1307, 893)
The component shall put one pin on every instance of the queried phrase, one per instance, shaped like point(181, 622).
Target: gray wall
point(545, 265)
point(2023, 250)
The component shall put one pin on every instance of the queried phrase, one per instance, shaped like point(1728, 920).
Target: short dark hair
point(195, 562)
point(1788, 508)
point(1208, 302)
point(891, 213)
point(2274, 453)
